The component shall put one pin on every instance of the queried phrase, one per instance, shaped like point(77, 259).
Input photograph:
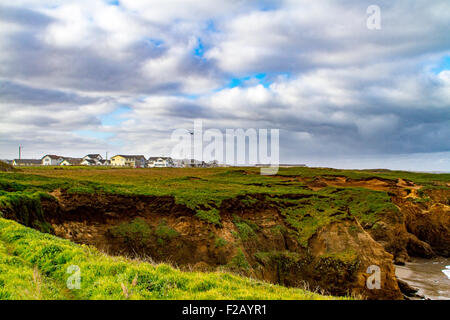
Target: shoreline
point(427, 276)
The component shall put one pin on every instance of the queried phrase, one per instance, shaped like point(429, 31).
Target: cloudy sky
point(78, 77)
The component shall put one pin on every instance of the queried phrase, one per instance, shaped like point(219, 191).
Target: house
point(89, 162)
point(133, 161)
point(160, 162)
point(191, 163)
point(26, 162)
point(178, 163)
point(95, 157)
point(51, 160)
point(104, 162)
point(71, 162)
point(213, 164)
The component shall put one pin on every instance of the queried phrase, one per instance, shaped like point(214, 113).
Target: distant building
point(52, 160)
point(177, 163)
point(71, 162)
point(160, 162)
point(88, 162)
point(193, 163)
point(132, 161)
point(213, 164)
point(94, 156)
point(104, 162)
point(26, 162)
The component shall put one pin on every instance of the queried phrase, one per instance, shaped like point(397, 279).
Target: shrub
point(246, 229)
point(220, 242)
point(134, 232)
point(239, 262)
point(211, 216)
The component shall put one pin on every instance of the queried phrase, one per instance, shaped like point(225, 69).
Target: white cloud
point(332, 86)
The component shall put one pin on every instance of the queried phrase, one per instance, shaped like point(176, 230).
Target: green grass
point(138, 232)
point(26, 208)
point(220, 242)
point(417, 177)
point(165, 232)
point(306, 215)
point(34, 266)
point(211, 216)
point(135, 232)
point(204, 190)
point(20, 280)
point(246, 229)
point(192, 187)
point(239, 262)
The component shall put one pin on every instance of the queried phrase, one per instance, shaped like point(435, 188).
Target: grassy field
point(189, 186)
point(34, 265)
point(203, 190)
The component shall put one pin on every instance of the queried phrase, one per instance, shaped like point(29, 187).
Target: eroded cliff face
point(422, 227)
point(257, 238)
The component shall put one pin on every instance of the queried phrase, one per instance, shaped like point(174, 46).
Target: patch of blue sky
point(153, 42)
point(269, 6)
point(113, 2)
point(116, 117)
point(210, 26)
point(189, 96)
point(263, 78)
point(114, 142)
point(199, 49)
point(444, 64)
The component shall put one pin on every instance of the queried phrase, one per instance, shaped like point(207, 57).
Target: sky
point(80, 77)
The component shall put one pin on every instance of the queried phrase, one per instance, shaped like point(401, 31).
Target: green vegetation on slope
point(26, 255)
point(20, 280)
point(205, 190)
point(26, 208)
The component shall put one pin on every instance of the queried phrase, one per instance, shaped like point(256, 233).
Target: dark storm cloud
point(24, 17)
point(15, 93)
point(189, 111)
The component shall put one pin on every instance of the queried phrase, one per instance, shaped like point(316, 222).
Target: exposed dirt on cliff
point(424, 227)
point(375, 183)
point(252, 240)
point(255, 236)
point(348, 240)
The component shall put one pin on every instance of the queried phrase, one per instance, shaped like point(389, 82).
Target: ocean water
point(446, 271)
point(430, 276)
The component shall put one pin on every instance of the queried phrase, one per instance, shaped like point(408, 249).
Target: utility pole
point(192, 160)
point(20, 152)
point(106, 155)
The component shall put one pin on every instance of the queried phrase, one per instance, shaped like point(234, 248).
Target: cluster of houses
point(120, 160)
